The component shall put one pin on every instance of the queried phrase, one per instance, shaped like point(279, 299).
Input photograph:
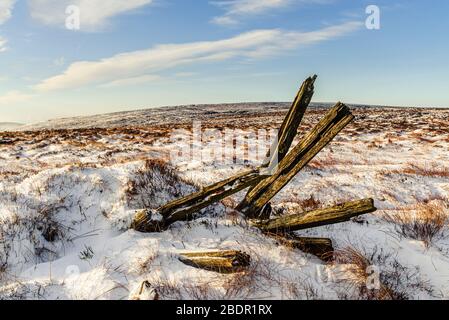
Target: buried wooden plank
point(315, 218)
point(309, 146)
point(228, 261)
point(319, 247)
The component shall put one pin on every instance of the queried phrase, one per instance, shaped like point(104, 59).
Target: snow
point(67, 199)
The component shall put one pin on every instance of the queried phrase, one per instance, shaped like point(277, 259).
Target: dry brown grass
point(188, 289)
point(395, 281)
point(144, 264)
point(166, 289)
point(255, 282)
point(4, 254)
point(359, 265)
point(323, 162)
point(329, 161)
point(151, 181)
point(424, 222)
point(253, 279)
point(310, 203)
point(145, 288)
point(427, 170)
point(259, 280)
point(421, 137)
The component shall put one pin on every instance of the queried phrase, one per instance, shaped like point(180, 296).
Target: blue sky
point(132, 54)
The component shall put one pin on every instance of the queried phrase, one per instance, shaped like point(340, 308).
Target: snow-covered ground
point(67, 197)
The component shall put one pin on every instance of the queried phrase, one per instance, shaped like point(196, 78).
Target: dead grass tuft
point(424, 222)
point(245, 284)
point(166, 289)
point(144, 264)
point(378, 276)
point(154, 184)
point(359, 266)
point(310, 203)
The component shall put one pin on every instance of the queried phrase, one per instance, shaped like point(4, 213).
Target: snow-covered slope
point(5, 126)
point(218, 113)
point(67, 197)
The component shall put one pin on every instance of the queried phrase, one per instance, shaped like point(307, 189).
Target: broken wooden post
point(147, 220)
point(219, 261)
point(290, 125)
point(319, 247)
point(309, 146)
point(278, 169)
point(289, 128)
point(182, 209)
point(315, 218)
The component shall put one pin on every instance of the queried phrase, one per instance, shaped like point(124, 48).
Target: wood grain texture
point(315, 218)
point(184, 208)
point(319, 247)
point(228, 261)
point(290, 125)
point(309, 146)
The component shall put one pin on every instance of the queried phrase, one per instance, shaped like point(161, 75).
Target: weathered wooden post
point(319, 247)
point(309, 146)
point(158, 220)
point(278, 169)
point(315, 218)
point(290, 125)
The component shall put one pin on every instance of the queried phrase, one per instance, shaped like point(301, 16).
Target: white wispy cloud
point(13, 97)
point(6, 7)
point(254, 44)
point(3, 44)
point(94, 14)
point(131, 81)
point(235, 10)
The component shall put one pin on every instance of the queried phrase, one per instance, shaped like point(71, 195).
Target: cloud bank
point(3, 44)
point(136, 64)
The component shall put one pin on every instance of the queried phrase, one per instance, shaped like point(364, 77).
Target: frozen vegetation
point(69, 188)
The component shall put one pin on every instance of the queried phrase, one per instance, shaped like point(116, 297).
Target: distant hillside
point(157, 116)
point(183, 114)
point(164, 115)
point(4, 126)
